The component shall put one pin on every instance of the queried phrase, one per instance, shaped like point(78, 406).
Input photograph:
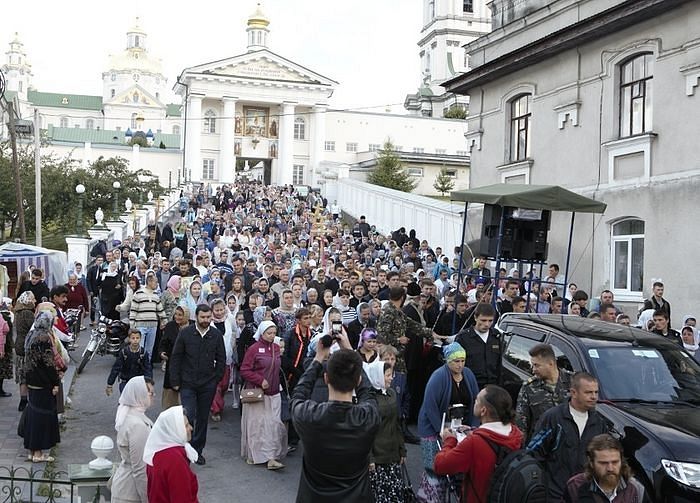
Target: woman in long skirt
point(41, 432)
point(263, 434)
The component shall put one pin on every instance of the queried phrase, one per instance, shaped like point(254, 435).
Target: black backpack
point(518, 477)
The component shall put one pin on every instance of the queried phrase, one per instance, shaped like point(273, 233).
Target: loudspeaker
point(524, 233)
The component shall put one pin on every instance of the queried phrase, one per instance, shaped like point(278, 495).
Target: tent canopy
point(53, 262)
point(533, 197)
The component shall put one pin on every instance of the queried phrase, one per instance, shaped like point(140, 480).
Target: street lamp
point(80, 190)
point(116, 186)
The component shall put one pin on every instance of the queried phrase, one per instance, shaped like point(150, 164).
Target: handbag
point(409, 496)
point(256, 393)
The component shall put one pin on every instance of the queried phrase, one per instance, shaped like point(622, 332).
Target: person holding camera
point(338, 435)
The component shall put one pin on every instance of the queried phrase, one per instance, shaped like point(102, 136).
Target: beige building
point(599, 96)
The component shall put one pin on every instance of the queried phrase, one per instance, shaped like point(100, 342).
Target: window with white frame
point(627, 257)
point(176, 129)
point(468, 6)
point(299, 129)
point(133, 120)
point(351, 147)
point(207, 169)
point(452, 173)
point(636, 76)
point(90, 124)
point(112, 93)
point(520, 118)
point(417, 172)
point(374, 147)
point(329, 146)
point(418, 150)
point(209, 124)
point(298, 174)
point(64, 122)
point(440, 151)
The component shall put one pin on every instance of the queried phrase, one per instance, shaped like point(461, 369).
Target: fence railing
point(22, 485)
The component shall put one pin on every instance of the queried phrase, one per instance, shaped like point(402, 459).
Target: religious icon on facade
point(239, 129)
point(273, 149)
point(237, 147)
point(256, 121)
point(273, 128)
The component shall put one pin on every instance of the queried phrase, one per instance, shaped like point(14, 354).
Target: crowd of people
point(318, 325)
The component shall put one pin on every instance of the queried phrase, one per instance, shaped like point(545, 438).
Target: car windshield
point(646, 374)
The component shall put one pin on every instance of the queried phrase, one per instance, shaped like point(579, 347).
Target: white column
point(318, 138)
point(193, 142)
point(227, 160)
point(286, 146)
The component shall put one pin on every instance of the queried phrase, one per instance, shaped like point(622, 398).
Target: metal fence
point(22, 485)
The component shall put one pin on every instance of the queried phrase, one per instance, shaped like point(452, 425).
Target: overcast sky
point(368, 46)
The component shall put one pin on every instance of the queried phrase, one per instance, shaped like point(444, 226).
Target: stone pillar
point(141, 219)
point(128, 219)
point(78, 250)
point(318, 138)
point(286, 145)
point(118, 228)
point(193, 142)
point(102, 232)
point(227, 159)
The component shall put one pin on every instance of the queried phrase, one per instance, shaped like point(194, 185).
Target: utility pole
point(37, 176)
point(15, 168)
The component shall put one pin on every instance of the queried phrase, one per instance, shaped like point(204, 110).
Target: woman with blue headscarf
point(451, 391)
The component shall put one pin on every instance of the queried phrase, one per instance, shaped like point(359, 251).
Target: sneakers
point(273, 464)
point(216, 417)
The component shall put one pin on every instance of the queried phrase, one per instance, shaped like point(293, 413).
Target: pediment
point(136, 96)
point(263, 65)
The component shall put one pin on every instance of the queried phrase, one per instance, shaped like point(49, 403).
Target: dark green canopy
point(534, 197)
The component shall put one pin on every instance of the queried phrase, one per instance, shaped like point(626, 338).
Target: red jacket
point(474, 457)
point(170, 479)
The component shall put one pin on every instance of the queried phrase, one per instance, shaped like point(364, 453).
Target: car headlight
point(685, 473)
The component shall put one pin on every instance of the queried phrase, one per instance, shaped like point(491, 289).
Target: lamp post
point(80, 190)
point(116, 186)
point(170, 180)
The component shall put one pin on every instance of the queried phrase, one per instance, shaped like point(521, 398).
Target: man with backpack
point(477, 455)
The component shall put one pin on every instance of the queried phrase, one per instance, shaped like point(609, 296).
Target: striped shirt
point(146, 309)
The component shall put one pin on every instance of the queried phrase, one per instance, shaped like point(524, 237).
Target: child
point(399, 385)
point(132, 360)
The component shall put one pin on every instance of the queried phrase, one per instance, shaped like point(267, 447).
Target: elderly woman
point(263, 434)
point(77, 294)
point(168, 455)
point(24, 319)
point(129, 483)
point(450, 386)
point(5, 349)
point(40, 424)
point(111, 291)
point(171, 296)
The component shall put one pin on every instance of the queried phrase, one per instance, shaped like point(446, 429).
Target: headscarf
point(375, 374)
point(692, 348)
point(42, 326)
point(112, 270)
point(366, 334)
point(27, 298)
point(168, 431)
point(259, 314)
point(645, 318)
point(688, 317)
point(264, 325)
point(327, 325)
point(453, 351)
point(190, 302)
point(174, 284)
point(135, 399)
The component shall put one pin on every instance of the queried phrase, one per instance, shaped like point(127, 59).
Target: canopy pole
point(459, 272)
point(568, 256)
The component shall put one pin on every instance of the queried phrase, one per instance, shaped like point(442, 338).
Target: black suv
point(649, 391)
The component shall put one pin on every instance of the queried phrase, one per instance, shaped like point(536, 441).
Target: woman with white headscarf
point(263, 434)
point(111, 291)
point(129, 483)
point(168, 455)
point(646, 320)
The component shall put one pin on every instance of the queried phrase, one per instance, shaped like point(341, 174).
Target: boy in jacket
point(131, 361)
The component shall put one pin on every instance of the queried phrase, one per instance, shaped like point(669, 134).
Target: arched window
point(627, 251)
point(299, 129)
point(64, 122)
point(520, 118)
point(176, 129)
point(209, 124)
point(90, 124)
point(133, 120)
point(636, 94)
point(112, 93)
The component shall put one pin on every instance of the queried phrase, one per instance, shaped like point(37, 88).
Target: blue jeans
point(148, 339)
point(197, 402)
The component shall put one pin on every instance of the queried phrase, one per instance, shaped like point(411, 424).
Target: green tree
point(443, 182)
point(456, 112)
point(389, 171)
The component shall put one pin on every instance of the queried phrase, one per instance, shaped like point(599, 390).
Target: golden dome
point(258, 18)
point(136, 27)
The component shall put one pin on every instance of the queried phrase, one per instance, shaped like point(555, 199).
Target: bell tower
point(17, 69)
point(258, 31)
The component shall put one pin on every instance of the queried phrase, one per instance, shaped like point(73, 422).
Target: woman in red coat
point(168, 455)
point(77, 295)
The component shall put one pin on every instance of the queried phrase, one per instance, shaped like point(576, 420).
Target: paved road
point(225, 477)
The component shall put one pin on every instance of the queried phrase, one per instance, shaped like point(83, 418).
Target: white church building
point(257, 114)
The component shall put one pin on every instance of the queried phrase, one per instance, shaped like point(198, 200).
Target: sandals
point(44, 458)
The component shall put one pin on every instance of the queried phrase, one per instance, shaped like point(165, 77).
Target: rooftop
point(59, 100)
point(105, 137)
